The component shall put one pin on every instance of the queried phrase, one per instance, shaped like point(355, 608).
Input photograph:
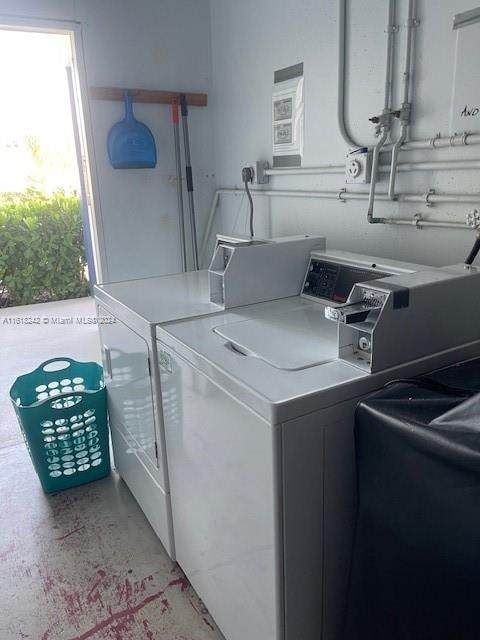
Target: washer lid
point(291, 340)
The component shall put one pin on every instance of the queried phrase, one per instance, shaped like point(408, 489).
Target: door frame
point(82, 120)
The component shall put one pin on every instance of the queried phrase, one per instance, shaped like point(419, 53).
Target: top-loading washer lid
point(292, 340)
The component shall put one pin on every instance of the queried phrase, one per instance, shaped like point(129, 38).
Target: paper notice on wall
point(288, 116)
point(465, 108)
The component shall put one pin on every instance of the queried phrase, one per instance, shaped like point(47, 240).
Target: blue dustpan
point(130, 143)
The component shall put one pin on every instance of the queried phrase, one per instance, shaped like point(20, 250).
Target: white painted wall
point(155, 44)
point(252, 38)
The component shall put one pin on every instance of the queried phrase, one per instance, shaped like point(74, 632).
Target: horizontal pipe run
point(343, 196)
point(434, 165)
point(437, 142)
point(473, 198)
point(442, 142)
point(419, 223)
point(433, 198)
point(294, 171)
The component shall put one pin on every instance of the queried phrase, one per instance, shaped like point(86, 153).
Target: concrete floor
point(24, 346)
point(83, 564)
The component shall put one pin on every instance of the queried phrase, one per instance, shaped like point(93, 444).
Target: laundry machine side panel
point(319, 502)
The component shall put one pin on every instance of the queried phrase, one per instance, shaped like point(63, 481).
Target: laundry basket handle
point(43, 366)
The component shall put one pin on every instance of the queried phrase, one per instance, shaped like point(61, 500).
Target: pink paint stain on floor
point(148, 631)
point(120, 620)
point(118, 624)
point(70, 533)
point(89, 567)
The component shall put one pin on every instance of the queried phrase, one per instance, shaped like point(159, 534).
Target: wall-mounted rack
point(149, 96)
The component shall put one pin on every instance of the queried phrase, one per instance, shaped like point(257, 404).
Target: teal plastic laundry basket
point(62, 411)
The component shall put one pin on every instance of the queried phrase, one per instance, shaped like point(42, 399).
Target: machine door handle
point(108, 361)
point(351, 313)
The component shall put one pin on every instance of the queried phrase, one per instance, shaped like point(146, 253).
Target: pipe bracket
point(459, 139)
point(417, 221)
point(341, 195)
point(434, 140)
point(428, 202)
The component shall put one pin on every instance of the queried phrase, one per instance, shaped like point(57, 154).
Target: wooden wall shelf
point(148, 96)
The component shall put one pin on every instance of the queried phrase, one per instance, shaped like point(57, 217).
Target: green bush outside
point(42, 255)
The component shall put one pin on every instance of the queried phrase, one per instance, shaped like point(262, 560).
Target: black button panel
point(335, 281)
point(321, 279)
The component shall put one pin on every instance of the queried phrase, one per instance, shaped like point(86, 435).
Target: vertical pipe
point(409, 49)
point(373, 182)
point(189, 176)
point(394, 160)
point(342, 73)
point(390, 57)
point(406, 99)
point(178, 162)
point(385, 126)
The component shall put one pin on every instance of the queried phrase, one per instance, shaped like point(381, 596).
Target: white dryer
point(128, 314)
point(259, 409)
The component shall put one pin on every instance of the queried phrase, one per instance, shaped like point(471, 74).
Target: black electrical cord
point(474, 252)
point(247, 177)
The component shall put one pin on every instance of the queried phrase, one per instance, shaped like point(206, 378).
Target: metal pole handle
point(189, 176)
point(178, 161)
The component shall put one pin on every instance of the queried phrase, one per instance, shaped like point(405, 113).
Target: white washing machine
point(128, 314)
point(259, 409)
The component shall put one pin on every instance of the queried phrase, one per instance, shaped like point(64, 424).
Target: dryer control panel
point(334, 281)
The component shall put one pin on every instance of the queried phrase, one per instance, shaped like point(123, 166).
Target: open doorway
point(45, 244)
point(48, 263)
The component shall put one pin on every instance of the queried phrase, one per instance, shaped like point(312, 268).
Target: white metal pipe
point(375, 164)
point(294, 171)
point(411, 24)
point(438, 165)
point(342, 73)
point(432, 165)
point(405, 109)
point(437, 142)
point(386, 118)
point(394, 160)
point(442, 142)
point(341, 195)
point(387, 103)
point(434, 198)
point(419, 223)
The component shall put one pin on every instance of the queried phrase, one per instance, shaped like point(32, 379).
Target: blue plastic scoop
point(130, 143)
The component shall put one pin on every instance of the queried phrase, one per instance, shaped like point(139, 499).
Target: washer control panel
point(334, 281)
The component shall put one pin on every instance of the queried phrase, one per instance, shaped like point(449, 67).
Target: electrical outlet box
point(259, 167)
point(358, 168)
